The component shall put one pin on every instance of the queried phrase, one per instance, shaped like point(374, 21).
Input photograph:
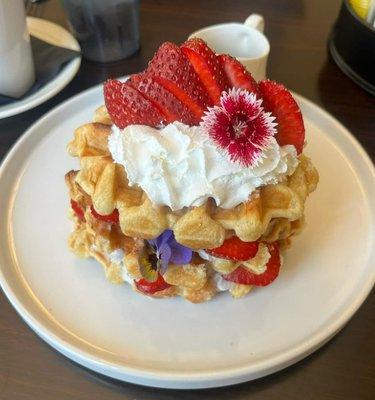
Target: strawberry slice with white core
point(237, 74)
point(244, 276)
point(147, 287)
point(207, 66)
point(171, 69)
point(280, 102)
point(127, 106)
point(235, 249)
point(163, 99)
point(112, 218)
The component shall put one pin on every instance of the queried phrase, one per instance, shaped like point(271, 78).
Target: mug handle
point(255, 21)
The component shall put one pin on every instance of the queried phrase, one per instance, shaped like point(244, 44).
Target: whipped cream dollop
point(180, 166)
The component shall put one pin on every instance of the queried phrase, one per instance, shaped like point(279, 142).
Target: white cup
point(245, 42)
point(17, 73)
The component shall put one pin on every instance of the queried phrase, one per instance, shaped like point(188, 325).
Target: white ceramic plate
point(58, 36)
point(171, 343)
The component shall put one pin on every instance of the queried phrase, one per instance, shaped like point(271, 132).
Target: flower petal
point(158, 242)
point(163, 238)
point(164, 257)
point(153, 243)
point(180, 254)
point(147, 270)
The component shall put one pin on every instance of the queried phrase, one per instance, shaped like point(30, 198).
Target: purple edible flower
point(168, 250)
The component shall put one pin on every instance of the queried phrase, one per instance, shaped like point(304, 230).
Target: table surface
point(298, 32)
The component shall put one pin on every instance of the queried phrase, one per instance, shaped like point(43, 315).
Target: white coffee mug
point(17, 73)
point(245, 42)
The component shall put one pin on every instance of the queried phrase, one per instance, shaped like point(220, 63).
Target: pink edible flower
point(240, 126)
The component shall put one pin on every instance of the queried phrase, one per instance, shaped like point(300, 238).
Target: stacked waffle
point(199, 249)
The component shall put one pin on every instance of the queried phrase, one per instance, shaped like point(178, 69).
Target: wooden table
point(298, 31)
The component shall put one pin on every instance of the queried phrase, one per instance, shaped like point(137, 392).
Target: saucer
point(58, 36)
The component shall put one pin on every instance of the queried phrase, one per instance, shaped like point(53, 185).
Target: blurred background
point(298, 31)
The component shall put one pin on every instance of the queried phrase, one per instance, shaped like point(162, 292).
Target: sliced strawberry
point(207, 66)
point(110, 218)
point(279, 101)
point(171, 69)
point(235, 249)
point(237, 74)
point(127, 106)
point(245, 277)
point(163, 99)
point(77, 209)
point(147, 287)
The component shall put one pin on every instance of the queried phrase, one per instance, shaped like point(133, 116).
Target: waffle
point(272, 213)
point(92, 238)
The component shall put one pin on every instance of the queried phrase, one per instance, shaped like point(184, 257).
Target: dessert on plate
point(192, 177)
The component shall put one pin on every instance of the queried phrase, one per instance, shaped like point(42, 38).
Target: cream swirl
point(180, 166)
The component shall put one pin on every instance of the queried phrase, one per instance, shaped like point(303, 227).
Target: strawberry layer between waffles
point(192, 177)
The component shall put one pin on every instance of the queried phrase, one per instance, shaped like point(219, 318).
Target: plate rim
point(57, 84)
point(192, 380)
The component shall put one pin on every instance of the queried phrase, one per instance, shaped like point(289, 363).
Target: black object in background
point(352, 46)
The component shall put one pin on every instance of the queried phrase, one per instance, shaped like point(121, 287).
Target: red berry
point(110, 218)
point(127, 106)
point(279, 101)
point(237, 74)
point(245, 277)
point(235, 249)
point(168, 104)
point(77, 209)
point(171, 69)
point(147, 287)
point(207, 66)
